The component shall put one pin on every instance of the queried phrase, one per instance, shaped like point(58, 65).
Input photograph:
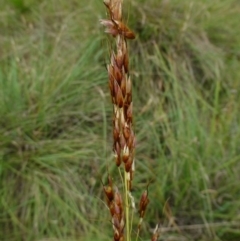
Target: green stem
point(127, 206)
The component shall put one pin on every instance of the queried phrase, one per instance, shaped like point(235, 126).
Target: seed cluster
point(124, 142)
point(121, 89)
point(115, 205)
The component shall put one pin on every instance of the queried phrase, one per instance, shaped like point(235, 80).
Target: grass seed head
point(121, 93)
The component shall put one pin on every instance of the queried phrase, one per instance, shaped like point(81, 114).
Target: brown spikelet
point(115, 205)
point(143, 203)
point(109, 192)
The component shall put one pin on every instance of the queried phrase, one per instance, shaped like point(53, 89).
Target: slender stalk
point(127, 214)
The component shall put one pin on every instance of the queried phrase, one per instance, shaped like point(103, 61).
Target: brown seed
point(117, 148)
point(119, 98)
point(131, 140)
point(116, 87)
point(116, 236)
point(119, 58)
point(116, 134)
point(143, 203)
point(109, 190)
point(126, 132)
point(111, 208)
point(129, 113)
point(110, 84)
point(122, 142)
point(117, 74)
point(118, 95)
point(128, 164)
point(117, 211)
point(128, 99)
point(118, 160)
point(118, 198)
point(123, 87)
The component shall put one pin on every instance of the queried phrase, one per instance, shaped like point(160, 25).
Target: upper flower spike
point(115, 26)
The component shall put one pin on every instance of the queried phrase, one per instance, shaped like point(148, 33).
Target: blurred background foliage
point(55, 125)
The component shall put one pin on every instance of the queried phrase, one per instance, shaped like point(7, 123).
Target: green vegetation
point(55, 141)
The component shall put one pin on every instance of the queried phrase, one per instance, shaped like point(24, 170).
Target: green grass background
point(55, 118)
